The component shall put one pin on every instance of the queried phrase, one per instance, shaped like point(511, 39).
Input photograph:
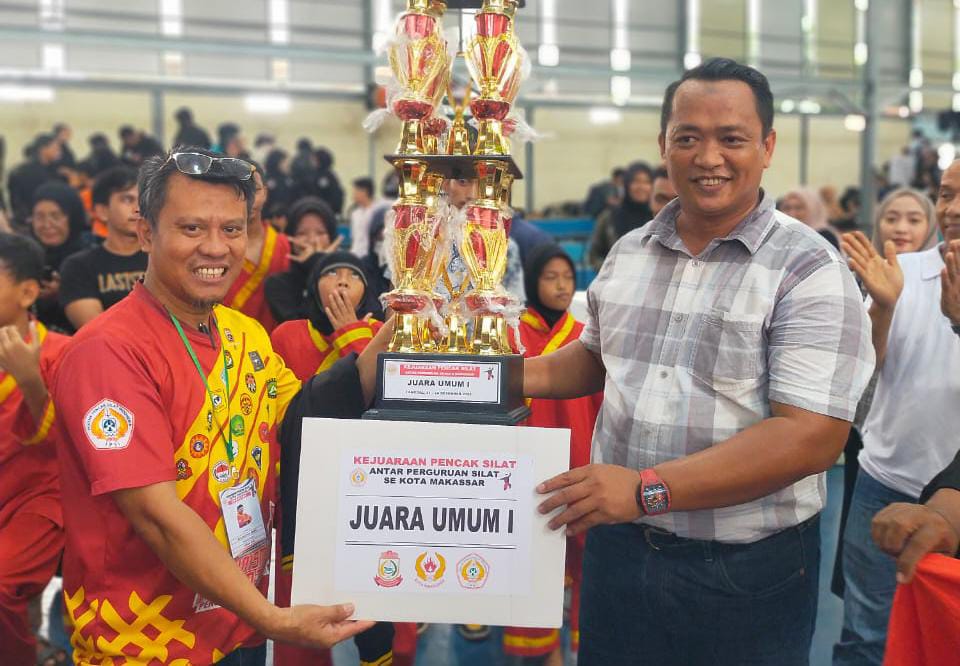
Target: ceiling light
point(265, 103)
point(548, 55)
point(14, 93)
point(855, 122)
point(603, 115)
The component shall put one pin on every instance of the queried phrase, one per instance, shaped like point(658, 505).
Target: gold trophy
point(418, 59)
point(460, 368)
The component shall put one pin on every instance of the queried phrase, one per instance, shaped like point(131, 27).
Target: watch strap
point(653, 494)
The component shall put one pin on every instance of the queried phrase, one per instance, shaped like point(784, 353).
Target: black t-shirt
point(98, 273)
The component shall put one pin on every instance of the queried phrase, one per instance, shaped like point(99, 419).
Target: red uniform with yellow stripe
point(309, 352)
point(31, 522)
point(580, 415)
point(246, 293)
point(134, 412)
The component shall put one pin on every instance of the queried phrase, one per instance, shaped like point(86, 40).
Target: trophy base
point(449, 388)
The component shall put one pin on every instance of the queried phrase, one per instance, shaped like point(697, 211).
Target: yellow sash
point(259, 273)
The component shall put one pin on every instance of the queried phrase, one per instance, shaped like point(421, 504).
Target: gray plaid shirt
point(696, 348)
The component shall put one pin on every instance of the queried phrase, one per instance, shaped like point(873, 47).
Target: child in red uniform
point(335, 327)
point(338, 321)
point(31, 523)
point(268, 252)
point(550, 281)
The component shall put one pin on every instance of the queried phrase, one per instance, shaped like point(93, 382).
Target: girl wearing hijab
point(338, 319)
point(632, 213)
point(805, 205)
point(59, 223)
point(312, 229)
point(546, 326)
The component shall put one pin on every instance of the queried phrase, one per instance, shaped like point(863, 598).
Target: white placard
point(441, 381)
point(430, 522)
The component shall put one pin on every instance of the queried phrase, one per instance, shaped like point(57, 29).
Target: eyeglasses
point(197, 164)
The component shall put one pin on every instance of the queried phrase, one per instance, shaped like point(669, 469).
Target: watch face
point(655, 498)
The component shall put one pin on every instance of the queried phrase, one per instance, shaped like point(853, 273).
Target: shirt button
point(663, 374)
point(678, 318)
point(696, 263)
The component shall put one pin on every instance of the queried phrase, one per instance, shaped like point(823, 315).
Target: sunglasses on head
point(198, 164)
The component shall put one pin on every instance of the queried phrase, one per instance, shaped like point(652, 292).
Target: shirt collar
point(751, 231)
point(932, 263)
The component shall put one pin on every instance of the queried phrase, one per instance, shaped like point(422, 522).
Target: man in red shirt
point(169, 410)
point(268, 252)
point(31, 525)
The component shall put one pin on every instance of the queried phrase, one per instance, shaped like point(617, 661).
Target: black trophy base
point(449, 388)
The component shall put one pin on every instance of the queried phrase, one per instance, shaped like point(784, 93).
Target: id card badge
point(243, 519)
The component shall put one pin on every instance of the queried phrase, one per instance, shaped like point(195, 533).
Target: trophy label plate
point(441, 381)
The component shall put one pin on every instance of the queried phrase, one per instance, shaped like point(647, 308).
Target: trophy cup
point(450, 360)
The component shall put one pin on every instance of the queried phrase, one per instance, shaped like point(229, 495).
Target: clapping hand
point(881, 275)
point(950, 283)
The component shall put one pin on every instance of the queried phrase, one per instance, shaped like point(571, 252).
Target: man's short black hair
point(59, 127)
point(660, 172)
point(365, 184)
point(21, 256)
point(155, 175)
point(619, 172)
point(41, 141)
point(111, 181)
point(126, 130)
point(724, 69)
point(226, 132)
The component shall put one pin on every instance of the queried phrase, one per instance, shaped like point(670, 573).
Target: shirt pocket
point(729, 350)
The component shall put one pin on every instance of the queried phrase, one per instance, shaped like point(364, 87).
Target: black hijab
point(314, 308)
point(301, 207)
point(69, 202)
point(632, 214)
point(538, 259)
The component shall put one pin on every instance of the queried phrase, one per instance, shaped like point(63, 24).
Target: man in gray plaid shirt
point(732, 346)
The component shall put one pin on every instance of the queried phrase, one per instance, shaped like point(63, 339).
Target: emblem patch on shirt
point(264, 431)
point(271, 388)
point(199, 446)
point(257, 454)
point(237, 427)
point(228, 359)
point(108, 425)
point(251, 382)
point(256, 361)
point(183, 470)
point(221, 471)
point(209, 420)
point(246, 404)
point(228, 334)
point(216, 397)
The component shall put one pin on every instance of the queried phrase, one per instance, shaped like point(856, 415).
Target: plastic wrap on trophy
point(495, 61)
point(418, 58)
